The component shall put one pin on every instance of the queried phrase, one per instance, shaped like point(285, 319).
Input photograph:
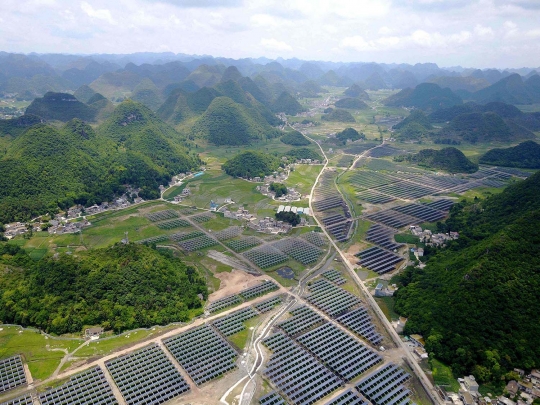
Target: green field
point(442, 375)
point(303, 177)
point(43, 354)
point(387, 306)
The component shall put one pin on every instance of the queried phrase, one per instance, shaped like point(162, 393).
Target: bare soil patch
point(233, 283)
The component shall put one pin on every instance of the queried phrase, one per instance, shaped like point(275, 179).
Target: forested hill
point(476, 302)
point(525, 155)
point(448, 159)
point(47, 167)
point(120, 288)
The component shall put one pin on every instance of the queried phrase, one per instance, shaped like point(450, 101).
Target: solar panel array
point(315, 238)
point(162, 215)
point(385, 386)
point(229, 233)
point(392, 218)
point(180, 236)
point(303, 319)
point(11, 373)
point(442, 205)
point(334, 276)
point(147, 377)
point(225, 302)
point(273, 398)
point(345, 308)
point(349, 397)
point(359, 321)
point(204, 217)
point(378, 260)
point(268, 304)
point(299, 249)
point(202, 353)
point(330, 298)
point(374, 197)
point(24, 400)
point(382, 236)
point(343, 354)
point(425, 213)
point(297, 373)
point(243, 243)
point(173, 223)
point(88, 388)
point(266, 256)
point(234, 322)
point(260, 289)
point(198, 243)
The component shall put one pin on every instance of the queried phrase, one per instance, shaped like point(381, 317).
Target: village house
point(93, 332)
point(417, 340)
point(470, 383)
point(512, 388)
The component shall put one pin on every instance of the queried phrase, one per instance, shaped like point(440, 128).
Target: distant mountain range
point(116, 76)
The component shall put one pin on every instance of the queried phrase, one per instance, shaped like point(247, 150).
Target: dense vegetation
point(228, 123)
point(279, 188)
point(61, 107)
point(476, 301)
point(449, 159)
point(484, 127)
point(349, 134)
point(290, 217)
point(287, 104)
point(356, 91)
point(351, 103)
point(303, 153)
point(512, 90)
point(294, 138)
point(413, 127)
point(426, 96)
point(16, 126)
point(338, 115)
point(251, 164)
point(121, 287)
point(525, 155)
point(47, 167)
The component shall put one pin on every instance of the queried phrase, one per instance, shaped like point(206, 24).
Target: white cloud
point(535, 33)
point(482, 31)
point(385, 30)
point(275, 45)
point(100, 14)
point(356, 42)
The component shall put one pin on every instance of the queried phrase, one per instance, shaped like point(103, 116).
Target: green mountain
point(228, 123)
point(456, 83)
point(115, 85)
point(303, 153)
point(338, 115)
point(294, 138)
point(61, 107)
point(464, 301)
point(147, 93)
point(512, 90)
point(526, 155)
point(175, 109)
point(310, 89)
point(351, 103)
point(15, 126)
point(121, 287)
point(356, 91)
point(448, 159)
point(287, 104)
point(426, 96)
point(484, 127)
point(251, 164)
point(47, 167)
point(414, 126)
point(84, 93)
point(349, 134)
point(232, 90)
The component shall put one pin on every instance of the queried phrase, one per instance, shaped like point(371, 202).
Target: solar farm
point(89, 387)
point(24, 400)
point(378, 260)
point(147, 376)
point(11, 373)
point(244, 243)
point(203, 353)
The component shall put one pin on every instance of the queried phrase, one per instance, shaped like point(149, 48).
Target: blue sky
point(470, 33)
